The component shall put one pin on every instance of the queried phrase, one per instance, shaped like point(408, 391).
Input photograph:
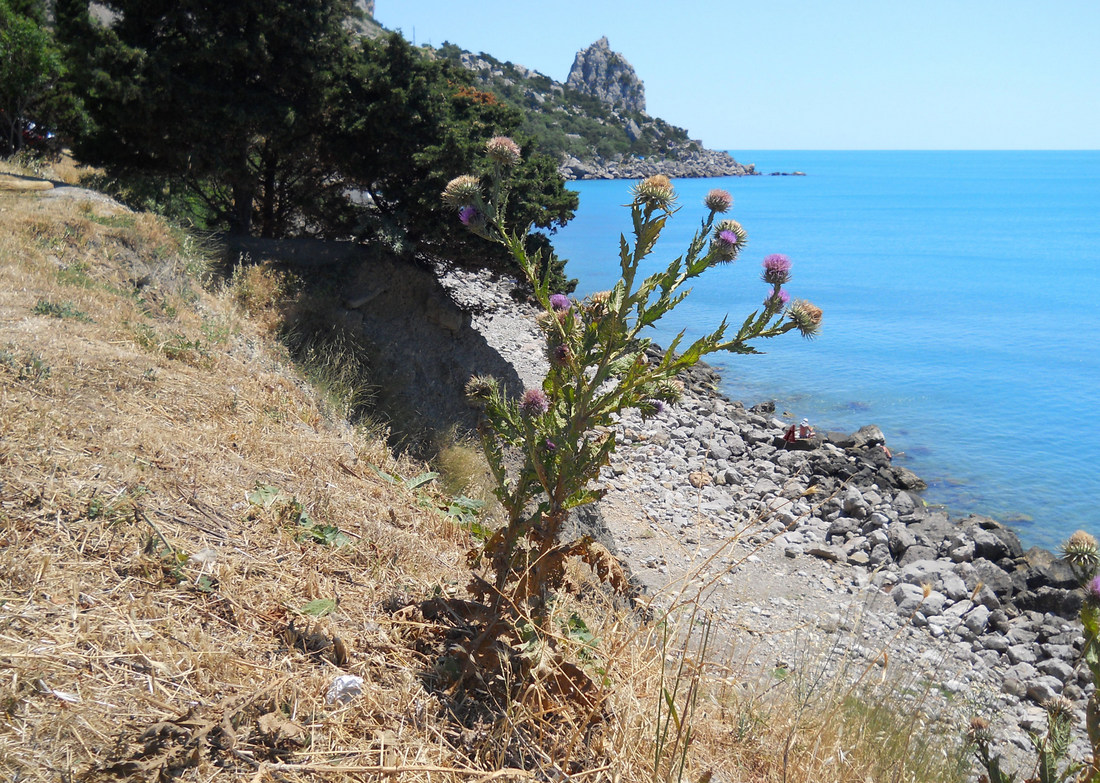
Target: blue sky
point(796, 74)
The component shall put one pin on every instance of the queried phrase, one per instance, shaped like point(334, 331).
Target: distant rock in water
point(604, 74)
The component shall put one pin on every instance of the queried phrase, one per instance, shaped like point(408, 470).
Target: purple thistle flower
point(777, 301)
point(534, 403)
point(560, 302)
point(1094, 588)
point(551, 446)
point(467, 215)
point(718, 200)
point(777, 269)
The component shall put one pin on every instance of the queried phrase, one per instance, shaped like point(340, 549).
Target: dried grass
point(151, 614)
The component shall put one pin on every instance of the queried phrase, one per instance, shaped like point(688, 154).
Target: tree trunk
point(244, 193)
point(270, 196)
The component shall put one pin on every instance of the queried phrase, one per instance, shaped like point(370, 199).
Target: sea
point(958, 290)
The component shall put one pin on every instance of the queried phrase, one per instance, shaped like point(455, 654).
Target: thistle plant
point(546, 449)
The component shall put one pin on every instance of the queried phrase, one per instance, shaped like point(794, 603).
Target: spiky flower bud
point(735, 227)
point(655, 192)
point(1058, 707)
point(462, 191)
point(534, 403)
point(729, 238)
point(479, 389)
point(1081, 551)
point(718, 200)
point(979, 732)
point(560, 302)
point(670, 390)
point(649, 408)
point(503, 150)
point(725, 245)
point(777, 269)
point(806, 317)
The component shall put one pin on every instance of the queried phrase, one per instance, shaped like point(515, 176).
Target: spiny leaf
point(421, 480)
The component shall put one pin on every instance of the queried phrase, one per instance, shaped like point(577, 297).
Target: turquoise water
point(959, 314)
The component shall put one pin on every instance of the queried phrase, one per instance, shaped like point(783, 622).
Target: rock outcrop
point(604, 74)
point(613, 139)
point(687, 160)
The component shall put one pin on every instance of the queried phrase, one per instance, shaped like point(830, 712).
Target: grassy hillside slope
point(194, 544)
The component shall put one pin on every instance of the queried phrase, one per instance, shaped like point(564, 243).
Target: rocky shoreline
point(694, 163)
point(690, 163)
point(779, 538)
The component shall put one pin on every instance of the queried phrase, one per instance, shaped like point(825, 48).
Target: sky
point(799, 74)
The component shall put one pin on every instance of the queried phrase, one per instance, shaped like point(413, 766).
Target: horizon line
point(908, 149)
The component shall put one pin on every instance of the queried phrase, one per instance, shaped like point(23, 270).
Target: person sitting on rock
point(805, 430)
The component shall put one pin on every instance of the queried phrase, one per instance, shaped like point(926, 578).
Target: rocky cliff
point(595, 122)
point(604, 74)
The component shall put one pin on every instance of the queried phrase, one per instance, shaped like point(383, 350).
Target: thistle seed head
point(1081, 551)
point(503, 150)
point(462, 191)
point(979, 731)
point(655, 192)
point(806, 317)
point(1058, 707)
point(718, 200)
point(597, 303)
point(479, 389)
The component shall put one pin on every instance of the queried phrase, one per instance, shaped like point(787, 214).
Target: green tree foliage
point(406, 124)
point(265, 116)
point(31, 71)
point(223, 99)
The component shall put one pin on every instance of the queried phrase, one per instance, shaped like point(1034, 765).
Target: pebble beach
point(821, 552)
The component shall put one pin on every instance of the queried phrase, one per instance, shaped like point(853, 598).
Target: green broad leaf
point(319, 607)
point(383, 474)
point(263, 495)
point(333, 536)
point(421, 480)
